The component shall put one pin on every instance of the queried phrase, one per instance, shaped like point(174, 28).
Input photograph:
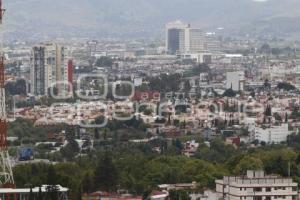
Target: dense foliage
point(140, 171)
point(285, 86)
point(104, 62)
point(116, 163)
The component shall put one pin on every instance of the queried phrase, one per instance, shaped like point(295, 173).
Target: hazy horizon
point(137, 18)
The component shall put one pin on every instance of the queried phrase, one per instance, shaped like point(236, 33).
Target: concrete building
point(197, 57)
point(47, 67)
point(257, 186)
point(181, 38)
point(272, 134)
point(212, 44)
point(194, 40)
point(25, 193)
point(232, 59)
point(174, 36)
point(235, 80)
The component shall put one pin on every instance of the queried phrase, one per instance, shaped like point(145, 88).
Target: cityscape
point(149, 100)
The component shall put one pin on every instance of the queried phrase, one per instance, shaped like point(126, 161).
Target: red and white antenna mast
point(6, 175)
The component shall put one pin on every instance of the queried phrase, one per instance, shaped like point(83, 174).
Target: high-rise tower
point(47, 67)
point(6, 175)
point(182, 38)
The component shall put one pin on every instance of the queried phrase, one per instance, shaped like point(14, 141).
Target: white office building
point(271, 134)
point(212, 44)
point(256, 186)
point(235, 80)
point(181, 38)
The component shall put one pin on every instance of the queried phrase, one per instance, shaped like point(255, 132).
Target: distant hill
point(125, 18)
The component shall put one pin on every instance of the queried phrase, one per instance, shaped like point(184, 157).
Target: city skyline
point(150, 100)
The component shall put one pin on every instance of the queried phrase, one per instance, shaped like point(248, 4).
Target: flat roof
point(27, 190)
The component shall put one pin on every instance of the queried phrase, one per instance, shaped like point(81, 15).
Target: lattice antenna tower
point(6, 175)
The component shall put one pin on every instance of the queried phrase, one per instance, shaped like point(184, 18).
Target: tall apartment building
point(257, 186)
point(47, 67)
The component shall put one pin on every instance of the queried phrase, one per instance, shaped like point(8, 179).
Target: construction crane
point(6, 175)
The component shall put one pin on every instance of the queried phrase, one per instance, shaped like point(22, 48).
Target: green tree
point(106, 173)
point(187, 86)
point(285, 86)
point(72, 148)
point(268, 111)
point(248, 163)
point(51, 176)
point(104, 62)
point(179, 195)
point(96, 134)
point(229, 93)
point(88, 183)
point(267, 84)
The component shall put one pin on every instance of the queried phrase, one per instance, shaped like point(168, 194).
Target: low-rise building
point(257, 186)
point(271, 134)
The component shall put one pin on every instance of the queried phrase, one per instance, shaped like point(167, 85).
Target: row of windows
point(279, 197)
point(268, 197)
point(268, 189)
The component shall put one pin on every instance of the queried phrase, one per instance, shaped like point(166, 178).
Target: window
point(257, 189)
point(268, 189)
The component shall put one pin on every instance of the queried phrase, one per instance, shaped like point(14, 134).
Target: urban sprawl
point(193, 116)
